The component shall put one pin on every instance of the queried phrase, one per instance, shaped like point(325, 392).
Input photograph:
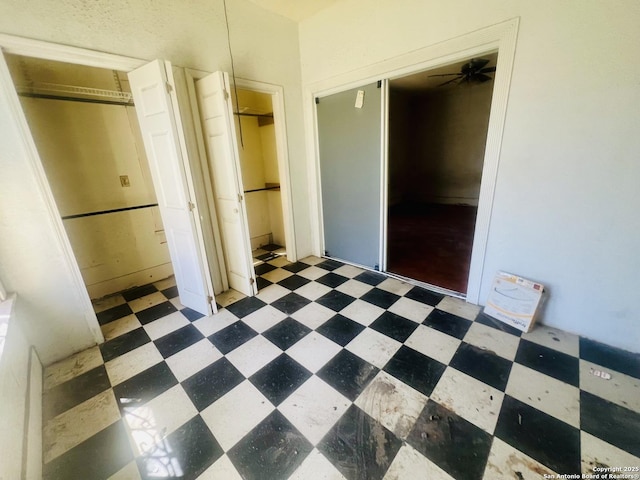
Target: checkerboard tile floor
point(332, 372)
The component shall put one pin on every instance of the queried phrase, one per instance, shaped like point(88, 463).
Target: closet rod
point(269, 115)
point(277, 187)
point(103, 212)
point(76, 99)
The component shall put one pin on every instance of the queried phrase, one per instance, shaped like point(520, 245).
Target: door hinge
point(191, 206)
point(317, 100)
point(226, 94)
point(252, 281)
point(168, 87)
point(240, 197)
point(209, 299)
point(379, 83)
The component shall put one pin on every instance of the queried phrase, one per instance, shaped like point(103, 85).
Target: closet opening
point(84, 125)
point(438, 123)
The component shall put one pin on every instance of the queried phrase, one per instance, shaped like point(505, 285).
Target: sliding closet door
point(349, 135)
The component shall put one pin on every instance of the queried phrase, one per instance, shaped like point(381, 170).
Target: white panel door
point(161, 142)
point(220, 140)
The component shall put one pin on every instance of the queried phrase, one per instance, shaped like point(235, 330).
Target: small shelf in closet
point(267, 186)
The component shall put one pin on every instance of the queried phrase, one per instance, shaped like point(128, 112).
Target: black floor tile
point(448, 323)
point(296, 267)
point(335, 300)
point(541, 436)
point(286, 333)
point(348, 373)
point(610, 357)
point(124, 343)
point(271, 247)
point(549, 361)
point(360, 447)
point(266, 256)
point(246, 306)
point(612, 423)
point(177, 340)
point(144, 386)
point(371, 278)
point(184, 453)
point(290, 303)
point(232, 337)
point(98, 457)
point(114, 313)
point(394, 326)
point(150, 314)
point(457, 446)
point(262, 283)
point(280, 378)
point(381, 298)
point(138, 292)
point(73, 392)
point(211, 383)
point(329, 265)
point(332, 280)
point(293, 282)
point(416, 370)
point(340, 329)
point(171, 292)
point(483, 365)
point(263, 268)
point(424, 296)
point(485, 319)
point(191, 315)
point(272, 450)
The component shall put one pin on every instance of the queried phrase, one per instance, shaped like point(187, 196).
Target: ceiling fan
point(474, 70)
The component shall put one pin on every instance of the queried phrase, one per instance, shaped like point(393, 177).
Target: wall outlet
point(124, 180)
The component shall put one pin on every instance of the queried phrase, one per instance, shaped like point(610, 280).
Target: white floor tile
point(214, 323)
point(362, 312)
point(277, 275)
point(395, 286)
point(354, 288)
point(106, 303)
point(558, 399)
point(133, 362)
point(165, 283)
point(314, 408)
point(222, 469)
point(313, 315)
point(472, 399)
point(313, 290)
point(235, 414)
point(411, 465)
point(553, 338)
point(349, 271)
point(504, 461)
point(279, 262)
point(128, 472)
point(620, 389)
point(264, 318)
point(459, 307)
point(313, 273)
point(71, 367)
point(193, 359)
point(148, 424)
point(164, 325)
point(312, 260)
point(272, 293)
point(316, 466)
point(176, 303)
point(253, 355)
point(598, 453)
point(374, 347)
point(407, 308)
point(492, 340)
point(147, 301)
point(227, 298)
point(393, 403)
point(78, 424)
point(313, 351)
point(119, 327)
point(433, 343)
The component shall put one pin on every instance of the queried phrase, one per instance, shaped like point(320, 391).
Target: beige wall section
point(265, 48)
point(566, 201)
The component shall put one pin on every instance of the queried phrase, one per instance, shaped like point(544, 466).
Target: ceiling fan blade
point(487, 70)
point(478, 63)
point(481, 77)
point(446, 75)
point(448, 81)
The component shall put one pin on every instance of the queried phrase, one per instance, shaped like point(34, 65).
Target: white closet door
point(221, 145)
point(161, 142)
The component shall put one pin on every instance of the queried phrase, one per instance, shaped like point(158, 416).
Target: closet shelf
point(268, 186)
point(73, 92)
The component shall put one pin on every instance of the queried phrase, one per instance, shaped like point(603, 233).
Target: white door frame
point(500, 37)
point(282, 152)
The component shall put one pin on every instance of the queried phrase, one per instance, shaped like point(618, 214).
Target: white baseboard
point(143, 277)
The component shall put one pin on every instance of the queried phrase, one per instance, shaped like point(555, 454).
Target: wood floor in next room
point(332, 372)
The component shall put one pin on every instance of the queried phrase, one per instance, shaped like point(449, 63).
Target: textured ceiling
point(295, 10)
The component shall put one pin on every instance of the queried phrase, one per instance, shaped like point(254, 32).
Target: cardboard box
point(514, 301)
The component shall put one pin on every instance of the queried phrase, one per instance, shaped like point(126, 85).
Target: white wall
point(265, 48)
point(567, 197)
